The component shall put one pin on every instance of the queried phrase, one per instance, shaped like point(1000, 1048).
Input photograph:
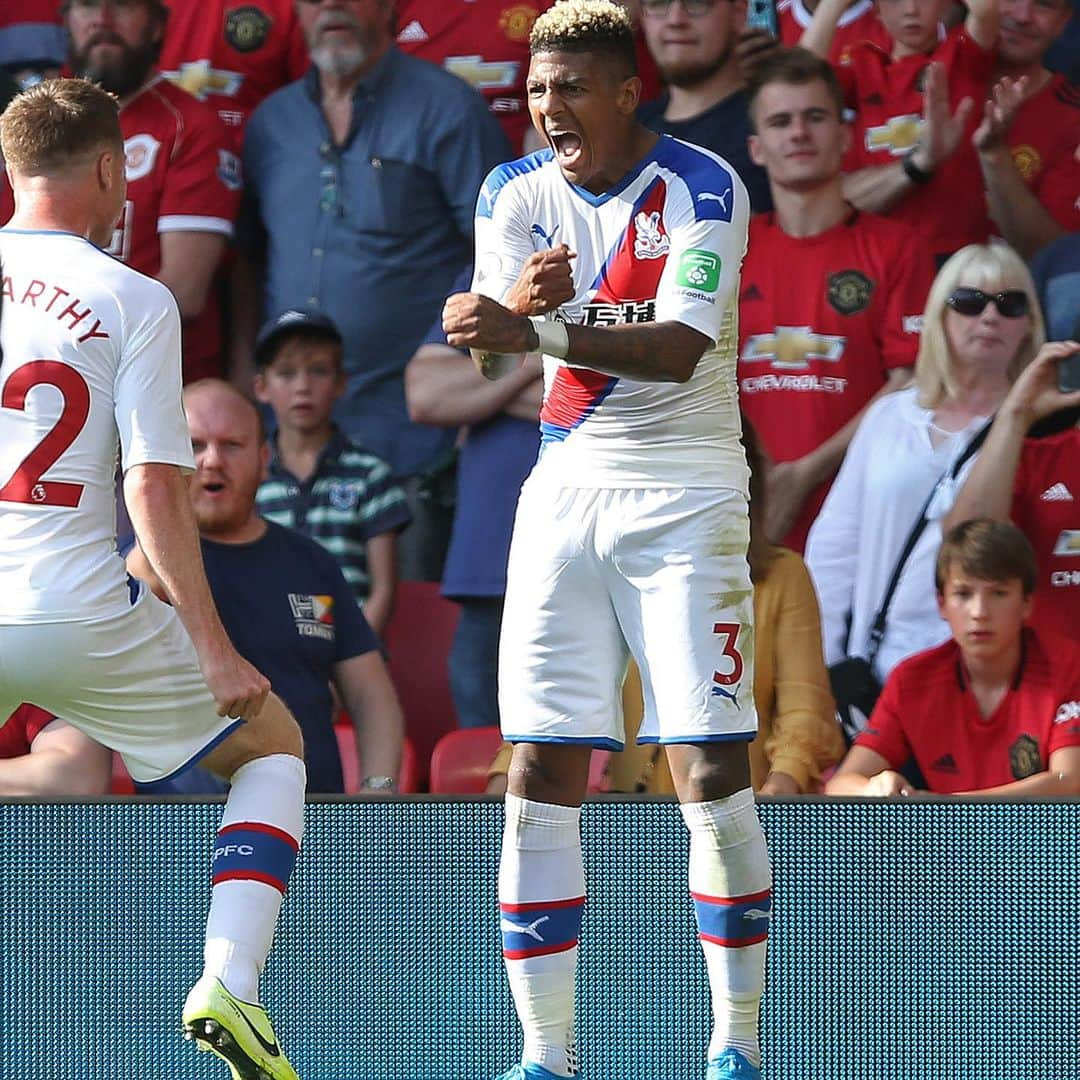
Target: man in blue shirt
point(283, 600)
point(362, 180)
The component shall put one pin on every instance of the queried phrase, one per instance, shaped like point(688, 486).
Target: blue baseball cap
point(304, 321)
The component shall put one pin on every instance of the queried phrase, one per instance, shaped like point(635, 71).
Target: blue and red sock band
point(540, 929)
point(733, 921)
point(252, 851)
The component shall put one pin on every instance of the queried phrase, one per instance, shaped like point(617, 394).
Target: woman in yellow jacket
point(798, 736)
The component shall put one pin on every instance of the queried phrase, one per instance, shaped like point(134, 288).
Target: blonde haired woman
point(981, 327)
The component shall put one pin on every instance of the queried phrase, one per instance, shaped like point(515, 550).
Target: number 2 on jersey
point(26, 485)
point(730, 633)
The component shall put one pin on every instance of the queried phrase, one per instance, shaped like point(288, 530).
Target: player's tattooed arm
point(649, 352)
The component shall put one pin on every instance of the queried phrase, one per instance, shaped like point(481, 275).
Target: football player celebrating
point(615, 253)
point(91, 365)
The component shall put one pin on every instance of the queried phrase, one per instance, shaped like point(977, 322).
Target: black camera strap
point(877, 627)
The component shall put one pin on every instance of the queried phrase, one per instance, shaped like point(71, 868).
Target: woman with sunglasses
point(981, 327)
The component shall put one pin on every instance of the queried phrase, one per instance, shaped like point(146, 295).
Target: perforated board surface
point(916, 941)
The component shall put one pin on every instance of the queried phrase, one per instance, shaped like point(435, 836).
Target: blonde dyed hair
point(58, 123)
point(992, 268)
point(583, 26)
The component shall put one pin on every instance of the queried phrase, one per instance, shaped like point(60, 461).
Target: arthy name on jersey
point(57, 301)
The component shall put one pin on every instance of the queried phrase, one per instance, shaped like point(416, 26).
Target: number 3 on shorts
point(729, 631)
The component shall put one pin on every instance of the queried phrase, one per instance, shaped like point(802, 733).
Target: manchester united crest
point(850, 291)
point(1028, 161)
point(246, 28)
point(1024, 757)
point(517, 22)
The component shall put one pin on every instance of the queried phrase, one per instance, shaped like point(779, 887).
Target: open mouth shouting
point(567, 146)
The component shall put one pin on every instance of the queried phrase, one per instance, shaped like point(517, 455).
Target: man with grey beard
point(183, 181)
point(362, 180)
point(693, 44)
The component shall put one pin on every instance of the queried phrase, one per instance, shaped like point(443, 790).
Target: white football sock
point(256, 846)
point(541, 897)
point(731, 881)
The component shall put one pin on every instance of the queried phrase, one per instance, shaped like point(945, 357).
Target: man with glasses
point(693, 44)
point(616, 253)
point(183, 178)
point(362, 179)
point(830, 300)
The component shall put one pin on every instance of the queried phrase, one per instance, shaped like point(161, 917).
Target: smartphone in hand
point(762, 14)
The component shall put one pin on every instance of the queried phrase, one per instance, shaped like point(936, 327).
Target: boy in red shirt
point(915, 113)
point(994, 711)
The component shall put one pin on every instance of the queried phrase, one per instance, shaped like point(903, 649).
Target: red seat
point(350, 761)
point(460, 760)
point(418, 643)
point(121, 784)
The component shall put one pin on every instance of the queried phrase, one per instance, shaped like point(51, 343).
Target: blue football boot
point(529, 1072)
point(731, 1065)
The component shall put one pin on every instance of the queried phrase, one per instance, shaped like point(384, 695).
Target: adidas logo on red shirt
point(413, 32)
point(946, 764)
point(1056, 493)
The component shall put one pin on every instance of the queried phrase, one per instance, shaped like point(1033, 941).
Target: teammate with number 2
point(91, 362)
point(616, 254)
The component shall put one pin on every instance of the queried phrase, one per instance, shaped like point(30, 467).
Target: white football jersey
point(664, 245)
point(91, 362)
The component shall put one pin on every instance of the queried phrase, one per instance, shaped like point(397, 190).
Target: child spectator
point(912, 155)
point(320, 483)
point(996, 709)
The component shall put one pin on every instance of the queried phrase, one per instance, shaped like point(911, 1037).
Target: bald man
point(283, 598)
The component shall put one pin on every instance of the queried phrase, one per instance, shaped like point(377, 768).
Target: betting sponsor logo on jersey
point(314, 615)
point(791, 348)
point(628, 311)
point(140, 155)
point(483, 74)
point(650, 240)
point(898, 135)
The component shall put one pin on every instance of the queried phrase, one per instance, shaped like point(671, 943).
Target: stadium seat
point(418, 643)
point(460, 760)
point(350, 761)
point(121, 784)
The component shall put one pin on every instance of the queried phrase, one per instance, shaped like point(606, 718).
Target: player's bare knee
point(710, 771)
point(549, 773)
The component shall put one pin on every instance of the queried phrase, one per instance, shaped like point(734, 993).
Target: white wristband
point(554, 340)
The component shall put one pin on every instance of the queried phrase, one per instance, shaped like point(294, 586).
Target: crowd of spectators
point(303, 175)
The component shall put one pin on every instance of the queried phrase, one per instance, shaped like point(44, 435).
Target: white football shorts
point(597, 575)
point(131, 681)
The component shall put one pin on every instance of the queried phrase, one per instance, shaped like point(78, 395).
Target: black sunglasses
point(1011, 304)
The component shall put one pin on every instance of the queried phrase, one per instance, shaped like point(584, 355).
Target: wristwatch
point(379, 783)
point(913, 172)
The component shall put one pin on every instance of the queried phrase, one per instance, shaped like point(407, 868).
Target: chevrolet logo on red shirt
point(898, 135)
point(791, 348)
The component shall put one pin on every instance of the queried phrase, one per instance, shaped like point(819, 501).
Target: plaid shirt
point(349, 500)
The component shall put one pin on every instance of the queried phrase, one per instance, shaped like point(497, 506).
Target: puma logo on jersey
point(706, 196)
